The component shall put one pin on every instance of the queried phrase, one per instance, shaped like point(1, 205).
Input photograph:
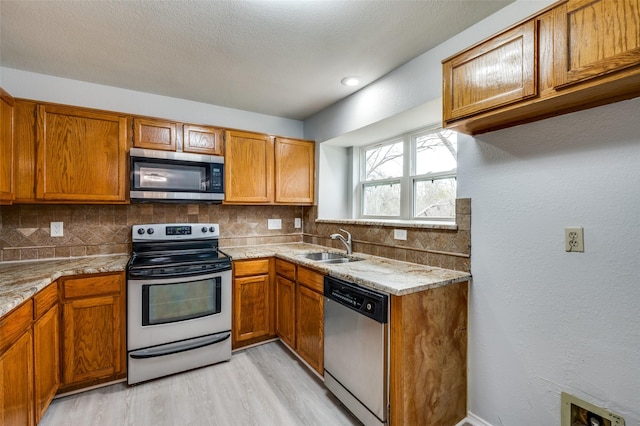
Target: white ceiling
point(282, 58)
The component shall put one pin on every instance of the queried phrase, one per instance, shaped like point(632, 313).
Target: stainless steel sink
point(326, 257)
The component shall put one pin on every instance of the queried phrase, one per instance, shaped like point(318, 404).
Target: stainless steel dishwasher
point(356, 348)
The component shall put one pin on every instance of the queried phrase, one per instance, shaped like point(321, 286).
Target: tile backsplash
point(443, 248)
point(106, 229)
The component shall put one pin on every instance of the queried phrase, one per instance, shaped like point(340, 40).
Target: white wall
point(22, 84)
point(542, 320)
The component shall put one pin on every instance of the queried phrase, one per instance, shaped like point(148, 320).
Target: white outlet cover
point(274, 223)
point(400, 234)
point(574, 239)
point(297, 223)
point(56, 229)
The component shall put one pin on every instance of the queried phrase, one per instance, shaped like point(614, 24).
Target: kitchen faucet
point(346, 242)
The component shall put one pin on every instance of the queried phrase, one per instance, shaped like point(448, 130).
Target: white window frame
point(407, 181)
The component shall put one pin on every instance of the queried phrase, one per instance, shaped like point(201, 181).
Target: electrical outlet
point(400, 234)
point(274, 223)
point(574, 239)
point(297, 223)
point(56, 229)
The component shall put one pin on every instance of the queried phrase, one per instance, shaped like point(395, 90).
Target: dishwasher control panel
point(367, 302)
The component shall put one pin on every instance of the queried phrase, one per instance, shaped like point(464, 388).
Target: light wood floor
point(264, 385)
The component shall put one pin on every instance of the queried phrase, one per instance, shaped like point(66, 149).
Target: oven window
point(165, 303)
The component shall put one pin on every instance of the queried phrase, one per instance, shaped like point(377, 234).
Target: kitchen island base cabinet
point(93, 329)
point(428, 365)
point(253, 315)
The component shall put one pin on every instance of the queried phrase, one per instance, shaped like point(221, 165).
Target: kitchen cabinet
point(594, 38)
point(46, 348)
point(294, 171)
point(300, 311)
point(310, 318)
point(93, 329)
point(428, 356)
point(69, 155)
point(261, 169)
point(6, 147)
point(16, 367)
point(202, 140)
point(253, 297)
point(497, 72)
point(152, 133)
point(570, 56)
point(286, 302)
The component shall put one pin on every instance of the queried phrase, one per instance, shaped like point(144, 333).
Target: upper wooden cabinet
point(594, 38)
point(202, 140)
point(497, 72)
point(153, 133)
point(80, 155)
point(260, 169)
point(249, 163)
point(6, 147)
point(294, 171)
point(573, 55)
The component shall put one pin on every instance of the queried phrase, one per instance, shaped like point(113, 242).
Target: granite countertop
point(21, 280)
point(380, 273)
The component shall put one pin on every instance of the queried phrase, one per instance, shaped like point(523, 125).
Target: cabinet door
point(81, 155)
point(310, 327)
point(46, 359)
point(249, 166)
point(6, 147)
point(202, 140)
point(16, 383)
point(498, 72)
point(154, 134)
point(92, 341)
point(285, 311)
point(251, 299)
point(294, 171)
point(594, 38)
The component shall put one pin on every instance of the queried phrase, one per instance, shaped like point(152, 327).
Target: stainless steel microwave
point(167, 176)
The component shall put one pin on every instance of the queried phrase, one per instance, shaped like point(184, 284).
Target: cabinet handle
point(174, 348)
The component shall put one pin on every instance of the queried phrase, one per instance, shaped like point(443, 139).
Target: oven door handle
point(183, 346)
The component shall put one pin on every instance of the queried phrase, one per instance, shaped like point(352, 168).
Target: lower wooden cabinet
point(253, 307)
point(300, 311)
point(46, 348)
point(16, 367)
point(310, 327)
point(93, 330)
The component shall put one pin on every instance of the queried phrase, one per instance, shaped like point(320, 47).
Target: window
point(410, 177)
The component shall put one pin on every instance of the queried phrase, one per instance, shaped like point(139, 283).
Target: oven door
point(168, 310)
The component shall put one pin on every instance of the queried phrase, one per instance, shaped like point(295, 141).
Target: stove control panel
point(175, 231)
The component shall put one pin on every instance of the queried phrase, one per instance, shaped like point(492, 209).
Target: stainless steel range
point(178, 300)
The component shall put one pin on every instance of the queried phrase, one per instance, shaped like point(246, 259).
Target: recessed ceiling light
point(350, 81)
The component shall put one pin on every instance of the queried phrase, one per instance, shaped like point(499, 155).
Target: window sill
point(449, 226)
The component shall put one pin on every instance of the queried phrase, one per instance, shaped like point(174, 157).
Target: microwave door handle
point(174, 348)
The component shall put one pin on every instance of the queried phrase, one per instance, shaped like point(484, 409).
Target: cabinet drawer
point(92, 285)
point(311, 279)
point(250, 267)
point(44, 300)
point(286, 269)
point(15, 324)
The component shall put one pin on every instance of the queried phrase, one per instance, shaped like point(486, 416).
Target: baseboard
point(474, 420)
